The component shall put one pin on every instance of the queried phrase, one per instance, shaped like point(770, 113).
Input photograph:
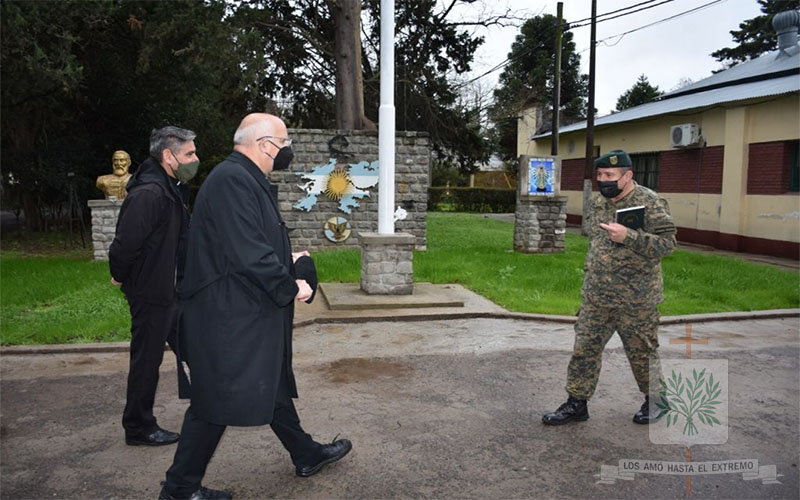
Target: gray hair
point(251, 132)
point(168, 137)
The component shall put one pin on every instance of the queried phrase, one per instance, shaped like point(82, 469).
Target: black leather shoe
point(201, 494)
point(573, 410)
point(158, 437)
point(643, 416)
point(330, 453)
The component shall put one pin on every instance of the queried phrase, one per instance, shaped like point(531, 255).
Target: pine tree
point(755, 36)
point(641, 93)
point(527, 81)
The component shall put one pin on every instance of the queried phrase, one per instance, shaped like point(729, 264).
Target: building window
point(645, 169)
point(794, 183)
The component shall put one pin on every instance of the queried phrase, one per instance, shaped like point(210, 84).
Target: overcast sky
point(665, 53)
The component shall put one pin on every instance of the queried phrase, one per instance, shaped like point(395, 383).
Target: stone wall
point(540, 224)
point(104, 225)
point(316, 147)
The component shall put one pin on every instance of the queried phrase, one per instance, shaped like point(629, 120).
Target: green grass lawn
point(56, 299)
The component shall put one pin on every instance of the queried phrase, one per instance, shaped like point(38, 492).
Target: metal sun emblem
point(338, 184)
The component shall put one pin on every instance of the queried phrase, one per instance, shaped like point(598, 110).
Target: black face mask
point(283, 158)
point(609, 189)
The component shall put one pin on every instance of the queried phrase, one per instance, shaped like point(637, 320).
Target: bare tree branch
point(447, 10)
point(504, 20)
point(307, 36)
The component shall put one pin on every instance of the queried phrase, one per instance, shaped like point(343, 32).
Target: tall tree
point(82, 79)
point(641, 93)
point(429, 51)
point(755, 36)
point(349, 75)
point(527, 80)
point(42, 76)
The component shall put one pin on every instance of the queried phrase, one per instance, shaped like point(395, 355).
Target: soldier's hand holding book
point(617, 232)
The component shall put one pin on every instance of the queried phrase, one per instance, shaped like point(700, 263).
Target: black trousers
point(199, 439)
point(151, 326)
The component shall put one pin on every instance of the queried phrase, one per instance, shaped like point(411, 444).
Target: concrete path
point(435, 409)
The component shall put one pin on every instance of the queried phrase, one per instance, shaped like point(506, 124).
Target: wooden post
point(588, 170)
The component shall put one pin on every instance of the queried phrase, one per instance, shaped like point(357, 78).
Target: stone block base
point(540, 224)
point(104, 225)
point(386, 263)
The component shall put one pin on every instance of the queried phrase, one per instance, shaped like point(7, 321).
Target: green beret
point(613, 159)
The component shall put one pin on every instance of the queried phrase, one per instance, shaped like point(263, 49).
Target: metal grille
point(645, 169)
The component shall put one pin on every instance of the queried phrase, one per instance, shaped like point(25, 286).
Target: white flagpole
point(386, 122)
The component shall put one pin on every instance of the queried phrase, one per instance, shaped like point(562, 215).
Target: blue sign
point(541, 176)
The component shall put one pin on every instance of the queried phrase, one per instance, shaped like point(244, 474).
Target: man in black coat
point(145, 259)
point(237, 306)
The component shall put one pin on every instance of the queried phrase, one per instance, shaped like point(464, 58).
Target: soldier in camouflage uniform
point(622, 286)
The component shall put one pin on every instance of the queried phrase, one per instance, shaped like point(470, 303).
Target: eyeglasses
point(284, 140)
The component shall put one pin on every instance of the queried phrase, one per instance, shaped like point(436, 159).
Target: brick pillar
point(104, 225)
point(386, 263)
point(540, 224)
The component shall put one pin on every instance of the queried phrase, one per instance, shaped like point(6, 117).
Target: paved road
point(438, 409)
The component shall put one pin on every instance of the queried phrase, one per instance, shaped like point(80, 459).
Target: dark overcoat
point(237, 298)
point(149, 248)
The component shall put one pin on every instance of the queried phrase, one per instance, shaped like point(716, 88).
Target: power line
point(613, 12)
point(499, 66)
point(686, 12)
point(575, 25)
point(621, 35)
point(571, 26)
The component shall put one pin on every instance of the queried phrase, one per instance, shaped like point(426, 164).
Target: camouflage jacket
point(628, 273)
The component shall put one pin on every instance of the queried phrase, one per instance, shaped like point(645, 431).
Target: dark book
point(632, 218)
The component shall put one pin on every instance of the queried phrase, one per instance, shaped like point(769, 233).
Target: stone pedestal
point(540, 224)
point(386, 263)
point(104, 225)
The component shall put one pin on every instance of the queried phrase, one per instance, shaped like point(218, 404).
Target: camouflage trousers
point(637, 327)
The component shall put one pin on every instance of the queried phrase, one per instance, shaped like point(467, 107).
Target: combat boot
point(643, 416)
point(573, 410)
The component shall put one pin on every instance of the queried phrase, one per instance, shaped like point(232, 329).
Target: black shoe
point(201, 494)
point(643, 416)
point(158, 437)
point(330, 453)
point(573, 410)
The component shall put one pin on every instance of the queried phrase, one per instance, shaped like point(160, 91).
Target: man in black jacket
point(146, 259)
point(237, 306)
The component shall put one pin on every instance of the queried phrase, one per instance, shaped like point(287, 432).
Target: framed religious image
point(540, 176)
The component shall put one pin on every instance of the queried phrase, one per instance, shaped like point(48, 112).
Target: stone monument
point(105, 212)
point(540, 220)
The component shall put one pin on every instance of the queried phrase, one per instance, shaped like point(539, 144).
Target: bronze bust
point(113, 185)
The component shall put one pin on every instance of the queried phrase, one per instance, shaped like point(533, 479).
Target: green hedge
point(466, 199)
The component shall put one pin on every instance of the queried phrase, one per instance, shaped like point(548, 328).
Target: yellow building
point(723, 151)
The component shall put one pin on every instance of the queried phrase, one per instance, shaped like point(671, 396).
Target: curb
point(112, 347)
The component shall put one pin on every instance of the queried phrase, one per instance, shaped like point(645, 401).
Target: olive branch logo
point(693, 398)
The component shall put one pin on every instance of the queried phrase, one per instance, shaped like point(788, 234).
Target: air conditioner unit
point(684, 135)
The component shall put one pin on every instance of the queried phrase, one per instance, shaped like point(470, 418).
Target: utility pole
point(588, 170)
point(557, 84)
